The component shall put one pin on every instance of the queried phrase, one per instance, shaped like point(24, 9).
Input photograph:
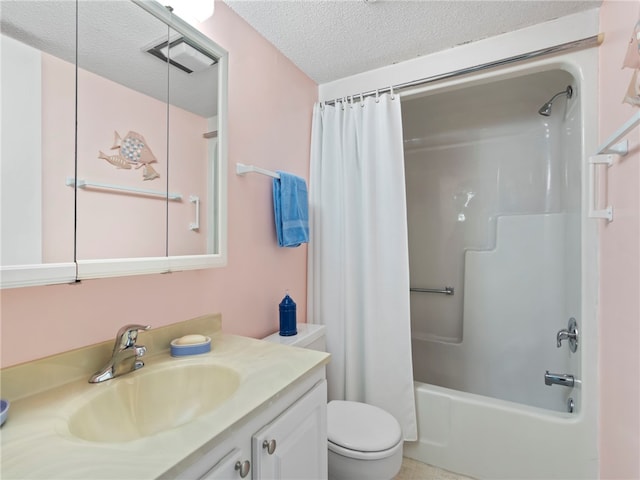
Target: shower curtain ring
point(361, 100)
point(377, 96)
point(392, 95)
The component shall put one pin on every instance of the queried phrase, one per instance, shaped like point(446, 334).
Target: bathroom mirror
point(142, 176)
point(38, 135)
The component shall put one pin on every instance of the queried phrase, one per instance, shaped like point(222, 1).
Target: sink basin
point(148, 402)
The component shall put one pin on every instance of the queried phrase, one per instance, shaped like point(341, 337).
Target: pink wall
point(619, 314)
point(139, 222)
point(270, 103)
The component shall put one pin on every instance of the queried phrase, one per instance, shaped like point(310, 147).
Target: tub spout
point(559, 379)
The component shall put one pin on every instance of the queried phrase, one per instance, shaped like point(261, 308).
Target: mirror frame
point(58, 273)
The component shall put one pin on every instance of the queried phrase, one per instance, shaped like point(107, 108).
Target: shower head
point(545, 110)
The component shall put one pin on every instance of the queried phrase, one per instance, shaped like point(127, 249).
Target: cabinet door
point(294, 445)
point(232, 466)
point(218, 463)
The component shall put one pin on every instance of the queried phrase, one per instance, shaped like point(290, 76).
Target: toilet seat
point(362, 431)
point(355, 454)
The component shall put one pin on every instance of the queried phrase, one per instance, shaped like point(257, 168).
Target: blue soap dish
point(190, 349)
point(4, 411)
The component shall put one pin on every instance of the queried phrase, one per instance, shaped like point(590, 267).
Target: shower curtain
point(358, 260)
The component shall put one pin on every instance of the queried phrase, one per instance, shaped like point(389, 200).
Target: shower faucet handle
point(570, 333)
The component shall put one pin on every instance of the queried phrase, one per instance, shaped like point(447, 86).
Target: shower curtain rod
point(582, 43)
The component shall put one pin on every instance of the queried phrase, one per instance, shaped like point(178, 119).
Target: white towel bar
point(242, 169)
point(70, 182)
point(606, 155)
point(622, 148)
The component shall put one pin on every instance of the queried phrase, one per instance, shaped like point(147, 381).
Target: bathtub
point(490, 438)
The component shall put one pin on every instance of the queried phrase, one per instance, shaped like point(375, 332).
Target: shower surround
point(496, 210)
point(493, 201)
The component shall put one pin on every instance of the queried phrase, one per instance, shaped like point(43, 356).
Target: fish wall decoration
point(632, 60)
point(133, 152)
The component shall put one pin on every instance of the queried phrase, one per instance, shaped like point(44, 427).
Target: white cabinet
point(226, 459)
point(286, 439)
point(231, 466)
point(294, 445)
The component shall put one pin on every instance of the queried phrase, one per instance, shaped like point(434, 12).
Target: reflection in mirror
point(143, 178)
point(192, 149)
point(122, 133)
point(38, 134)
point(143, 109)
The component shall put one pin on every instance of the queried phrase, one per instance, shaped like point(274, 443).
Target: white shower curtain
point(358, 275)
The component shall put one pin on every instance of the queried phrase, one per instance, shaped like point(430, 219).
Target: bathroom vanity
point(286, 440)
point(247, 409)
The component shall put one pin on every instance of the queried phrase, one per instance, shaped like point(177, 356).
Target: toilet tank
point(309, 336)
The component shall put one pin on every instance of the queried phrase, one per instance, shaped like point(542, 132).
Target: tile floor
point(414, 470)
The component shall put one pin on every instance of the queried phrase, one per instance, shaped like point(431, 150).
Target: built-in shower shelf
point(606, 154)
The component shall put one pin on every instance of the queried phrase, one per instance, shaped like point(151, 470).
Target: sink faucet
point(126, 355)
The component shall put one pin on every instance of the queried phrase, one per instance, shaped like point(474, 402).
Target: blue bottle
point(288, 317)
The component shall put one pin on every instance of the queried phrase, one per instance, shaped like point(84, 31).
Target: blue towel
point(291, 210)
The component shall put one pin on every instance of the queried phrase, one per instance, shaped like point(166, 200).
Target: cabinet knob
point(243, 468)
point(270, 446)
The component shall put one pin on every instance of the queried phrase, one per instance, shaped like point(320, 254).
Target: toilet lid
point(361, 427)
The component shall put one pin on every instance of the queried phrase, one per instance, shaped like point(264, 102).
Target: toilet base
point(347, 468)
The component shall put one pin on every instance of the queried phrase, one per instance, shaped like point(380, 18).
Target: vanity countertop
point(36, 442)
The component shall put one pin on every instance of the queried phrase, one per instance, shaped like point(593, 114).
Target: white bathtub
point(489, 438)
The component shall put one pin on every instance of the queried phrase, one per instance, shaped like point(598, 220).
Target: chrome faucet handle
point(570, 333)
point(125, 357)
point(564, 335)
point(140, 350)
point(127, 336)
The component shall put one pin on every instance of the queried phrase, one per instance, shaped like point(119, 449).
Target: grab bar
point(445, 290)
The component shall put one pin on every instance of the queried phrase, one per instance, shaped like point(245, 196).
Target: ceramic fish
point(116, 160)
point(133, 151)
point(133, 147)
point(149, 173)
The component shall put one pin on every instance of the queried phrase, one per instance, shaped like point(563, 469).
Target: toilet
point(364, 441)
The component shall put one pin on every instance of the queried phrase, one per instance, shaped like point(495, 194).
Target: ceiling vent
point(183, 55)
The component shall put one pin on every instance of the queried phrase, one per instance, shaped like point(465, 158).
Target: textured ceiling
point(111, 40)
point(332, 39)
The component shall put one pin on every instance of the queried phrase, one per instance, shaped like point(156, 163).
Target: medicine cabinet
point(114, 142)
